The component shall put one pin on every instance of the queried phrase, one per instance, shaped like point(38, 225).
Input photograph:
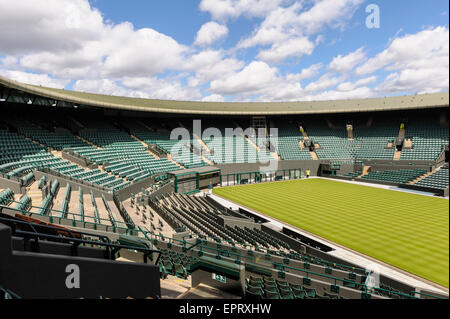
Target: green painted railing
point(202, 244)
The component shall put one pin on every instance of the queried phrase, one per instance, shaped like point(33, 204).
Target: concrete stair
point(77, 123)
point(301, 145)
point(87, 141)
point(146, 126)
point(153, 154)
point(398, 154)
point(415, 181)
point(169, 157)
point(207, 160)
point(17, 198)
point(408, 143)
point(303, 131)
point(35, 194)
point(115, 211)
point(366, 171)
point(58, 201)
point(89, 214)
point(350, 134)
point(249, 141)
point(204, 148)
point(102, 211)
point(145, 145)
point(73, 205)
point(306, 137)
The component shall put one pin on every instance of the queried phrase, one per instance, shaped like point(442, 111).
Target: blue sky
point(227, 50)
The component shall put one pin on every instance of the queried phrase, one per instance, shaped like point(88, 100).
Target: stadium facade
point(88, 179)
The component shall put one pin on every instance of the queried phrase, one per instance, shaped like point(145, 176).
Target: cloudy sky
point(227, 50)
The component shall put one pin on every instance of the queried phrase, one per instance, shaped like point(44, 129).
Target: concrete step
point(204, 148)
point(89, 214)
point(58, 201)
point(145, 145)
point(73, 205)
point(423, 176)
point(169, 157)
point(35, 194)
point(314, 156)
point(366, 171)
point(102, 211)
point(115, 211)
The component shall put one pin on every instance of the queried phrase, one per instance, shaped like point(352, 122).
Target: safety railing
point(75, 221)
point(30, 230)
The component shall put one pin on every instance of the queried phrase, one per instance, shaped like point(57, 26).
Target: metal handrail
point(103, 240)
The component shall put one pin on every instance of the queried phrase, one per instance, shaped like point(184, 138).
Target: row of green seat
point(401, 176)
point(438, 180)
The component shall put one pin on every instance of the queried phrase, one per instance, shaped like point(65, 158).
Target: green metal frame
point(197, 182)
point(254, 177)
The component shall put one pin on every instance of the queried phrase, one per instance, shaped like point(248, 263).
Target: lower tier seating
point(401, 176)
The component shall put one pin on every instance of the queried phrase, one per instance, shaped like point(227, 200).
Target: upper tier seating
point(181, 155)
point(371, 142)
point(229, 148)
point(289, 138)
point(120, 153)
point(333, 143)
point(20, 155)
point(428, 139)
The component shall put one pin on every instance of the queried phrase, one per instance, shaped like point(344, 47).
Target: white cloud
point(333, 13)
point(68, 40)
point(286, 22)
point(150, 88)
point(210, 32)
point(420, 62)
point(211, 65)
point(429, 80)
point(256, 76)
point(282, 91)
point(288, 29)
point(142, 53)
point(56, 26)
point(36, 79)
point(278, 26)
point(295, 47)
point(224, 9)
point(104, 86)
point(350, 86)
point(358, 93)
point(164, 89)
point(214, 98)
point(343, 64)
point(323, 83)
point(410, 51)
point(307, 73)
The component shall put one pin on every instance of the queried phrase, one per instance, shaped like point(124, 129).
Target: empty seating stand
point(401, 176)
point(437, 180)
point(269, 288)
point(6, 197)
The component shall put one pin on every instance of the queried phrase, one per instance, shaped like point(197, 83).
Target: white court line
point(392, 188)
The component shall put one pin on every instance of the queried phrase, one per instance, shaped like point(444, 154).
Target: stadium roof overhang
point(16, 92)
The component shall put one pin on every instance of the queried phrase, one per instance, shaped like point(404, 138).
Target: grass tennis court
point(406, 230)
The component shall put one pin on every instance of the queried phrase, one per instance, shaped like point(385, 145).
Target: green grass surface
point(406, 230)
